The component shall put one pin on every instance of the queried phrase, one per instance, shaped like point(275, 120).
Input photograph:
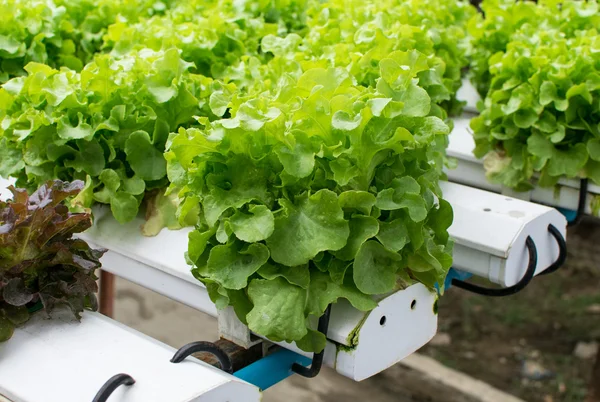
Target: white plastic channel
point(73, 360)
point(488, 243)
point(490, 231)
point(158, 263)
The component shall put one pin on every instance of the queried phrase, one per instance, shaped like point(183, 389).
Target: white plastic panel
point(469, 94)
point(398, 327)
point(410, 322)
point(470, 171)
point(490, 232)
point(73, 360)
point(166, 251)
point(4, 192)
point(156, 263)
point(401, 324)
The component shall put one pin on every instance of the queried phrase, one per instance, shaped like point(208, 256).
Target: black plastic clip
point(529, 273)
point(562, 250)
point(583, 190)
point(113, 383)
point(317, 361)
point(206, 347)
point(511, 290)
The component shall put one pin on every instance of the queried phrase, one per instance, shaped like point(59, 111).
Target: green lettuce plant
point(40, 262)
point(211, 36)
point(356, 35)
point(502, 21)
point(106, 125)
point(287, 15)
point(541, 114)
point(61, 32)
point(444, 23)
point(322, 189)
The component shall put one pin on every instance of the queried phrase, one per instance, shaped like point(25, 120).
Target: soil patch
point(524, 344)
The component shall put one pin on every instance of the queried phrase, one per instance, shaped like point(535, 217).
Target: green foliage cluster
point(304, 138)
point(61, 32)
point(320, 190)
point(315, 188)
point(538, 66)
point(107, 124)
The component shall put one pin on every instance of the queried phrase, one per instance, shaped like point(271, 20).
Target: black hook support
point(317, 361)
point(531, 267)
point(206, 347)
point(583, 190)
point(562, 253)
point(511, 290)
point(113, 383)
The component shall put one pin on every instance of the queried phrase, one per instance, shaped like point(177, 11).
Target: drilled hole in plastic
point(382, 321)
point(413, 304)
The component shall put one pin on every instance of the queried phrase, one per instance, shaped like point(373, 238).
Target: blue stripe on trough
point(463, 276)
point(454, 274)
point(271, 369)
point(569, 214)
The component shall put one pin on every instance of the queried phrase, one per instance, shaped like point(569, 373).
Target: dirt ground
point(537, 331)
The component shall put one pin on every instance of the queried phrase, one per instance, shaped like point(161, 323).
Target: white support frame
point(72, 360)
point(468, 94)
point(158, 263)
point(490, 233)
point(499, 254)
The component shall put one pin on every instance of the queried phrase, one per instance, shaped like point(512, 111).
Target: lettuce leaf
point(61, 32)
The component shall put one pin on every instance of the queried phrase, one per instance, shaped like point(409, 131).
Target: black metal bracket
point(511, 290)
point(529, 273)
point(562, 253)
point(583, 190)
point(113, 383)
point(206, 347)
point(317, 361)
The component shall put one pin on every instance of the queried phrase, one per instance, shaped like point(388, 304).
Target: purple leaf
point(15, 293)
point(53, 193)
point(39, 259)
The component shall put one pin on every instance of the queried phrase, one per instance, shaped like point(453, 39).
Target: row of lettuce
point(304, 139)
point(538, 67)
